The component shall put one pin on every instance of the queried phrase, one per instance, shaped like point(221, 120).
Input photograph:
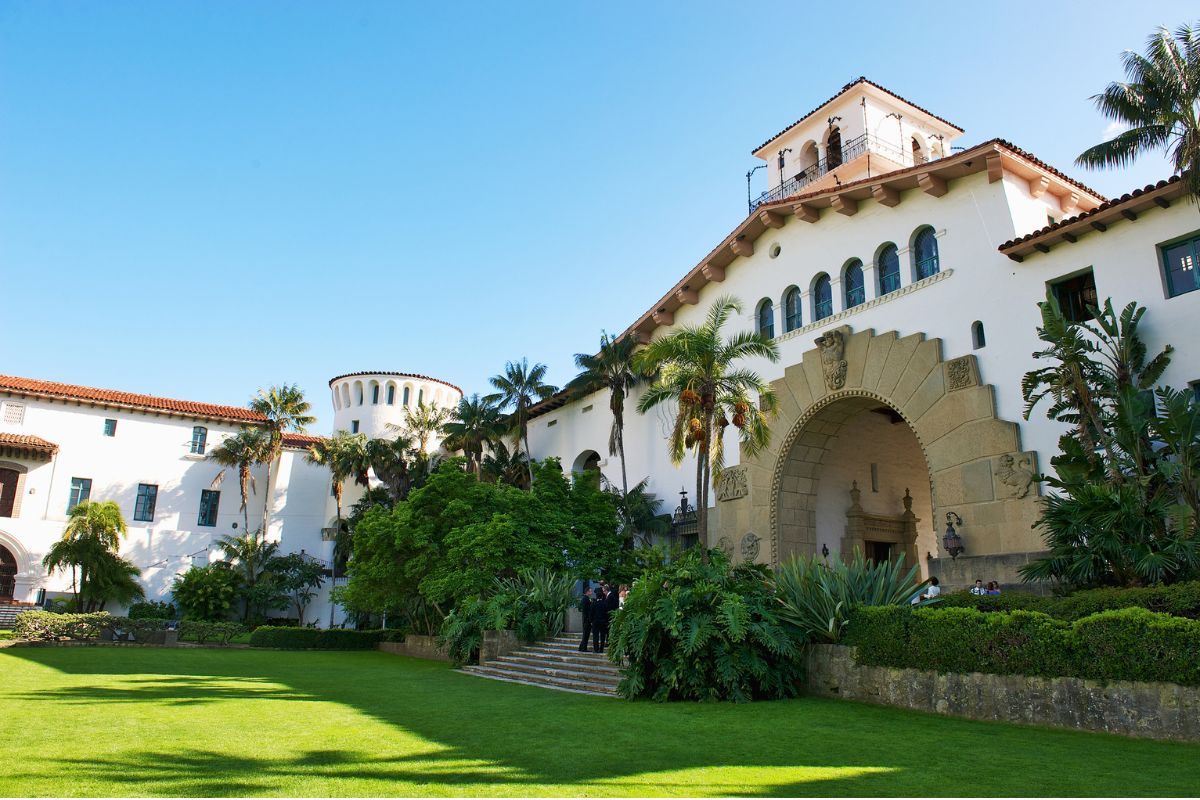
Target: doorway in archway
point(8, 574)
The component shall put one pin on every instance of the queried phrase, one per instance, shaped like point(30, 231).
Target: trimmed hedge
point(204, 632)
point(46, 626)
point(320, 638)
point(1177, 599)
point(1125, 644)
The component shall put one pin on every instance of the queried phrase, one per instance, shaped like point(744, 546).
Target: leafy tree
point(501, 466)
point(250, 557)
point(299, 577)
point(696, 368)
point(206, 593)
point(1124, 508)
point(345, 455)
point(88, 548)
point(520, 387)
point(285, 409)
point(476, 423)
point(1159, 104)
point(612, 369)
point(242, 451)
point(638, 510)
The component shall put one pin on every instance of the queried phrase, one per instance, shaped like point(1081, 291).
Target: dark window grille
point(925, 251)
point(792, 317)
point(766, 319)
point(889, 269)
point(823, 298)
point(856, 291)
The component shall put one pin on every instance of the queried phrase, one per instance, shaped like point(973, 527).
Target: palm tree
point(89, 547)
point(345, 456)
point(284, 408)
point(389, 458)
point(1160, 104)
point(501, 466)
point(520, 387)
point(248, 557)
point(242, 451)
point(423, 421)
point(476, 423)
point(695, 367)
point(612, 369)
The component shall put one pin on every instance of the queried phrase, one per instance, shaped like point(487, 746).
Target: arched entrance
point(586, 461)
point(928, 424)
point(8, 574)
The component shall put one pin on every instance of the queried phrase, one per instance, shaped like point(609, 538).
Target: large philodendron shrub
point(692, 630)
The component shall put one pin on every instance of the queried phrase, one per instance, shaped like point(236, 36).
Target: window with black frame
point(856, 291)
point(925, 254)
point(888, 267)
point(1179, 267)
point(822, 298)
point(792, 314)
point(147, 498)
point(1075, 295)
point(766, 319)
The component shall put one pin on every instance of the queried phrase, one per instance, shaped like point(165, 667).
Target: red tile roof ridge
point(842, 91)
point(1105, 206)
point(37, 387)
point(25, 440)
point(300, 440)
point(396, 374)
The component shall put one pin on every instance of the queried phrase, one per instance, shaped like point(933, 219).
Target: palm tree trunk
point(267, 501)
point(528, 456)
point(701, 522)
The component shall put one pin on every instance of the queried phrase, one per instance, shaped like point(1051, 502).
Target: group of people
point(597, 608)
point(991, 588)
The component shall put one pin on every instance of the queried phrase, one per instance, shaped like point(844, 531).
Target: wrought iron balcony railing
point(850, 150)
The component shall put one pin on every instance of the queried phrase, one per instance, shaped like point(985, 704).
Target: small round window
point(775, 251)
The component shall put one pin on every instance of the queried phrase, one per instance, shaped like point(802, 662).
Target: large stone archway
point(766, 506)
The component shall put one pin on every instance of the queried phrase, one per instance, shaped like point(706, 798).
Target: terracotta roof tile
point(23, 442)
point(66, 391)
point(300, 441)
point(841, 92)
point(1105, 206)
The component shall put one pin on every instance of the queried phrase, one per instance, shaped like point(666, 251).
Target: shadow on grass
point(505, 738)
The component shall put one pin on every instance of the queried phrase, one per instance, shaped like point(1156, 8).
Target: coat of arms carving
point(833, 361)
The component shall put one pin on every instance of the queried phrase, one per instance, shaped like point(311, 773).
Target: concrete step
point(592, 672)
point(576, 659)
point(535, 679)
point(566, 650)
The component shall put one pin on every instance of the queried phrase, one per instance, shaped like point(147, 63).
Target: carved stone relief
point(732, 484)
point(1014, 475)
point(726, 545)
point(959, 374)
point(750, 547)
point(833, 362)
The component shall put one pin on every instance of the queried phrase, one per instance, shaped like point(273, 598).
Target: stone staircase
point(9, 611)
point(555, 664)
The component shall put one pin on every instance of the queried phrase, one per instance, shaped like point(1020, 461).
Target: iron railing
point(850, 150)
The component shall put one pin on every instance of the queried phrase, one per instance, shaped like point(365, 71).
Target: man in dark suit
point(599, 620)
point(612, 602)
point(586, 606)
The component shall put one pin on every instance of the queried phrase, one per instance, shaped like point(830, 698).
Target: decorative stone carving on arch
point(949, 410)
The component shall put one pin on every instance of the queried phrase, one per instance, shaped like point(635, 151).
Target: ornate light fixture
point(825, 551)
point(952, 542)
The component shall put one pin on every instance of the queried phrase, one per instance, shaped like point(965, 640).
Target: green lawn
point(116, 721)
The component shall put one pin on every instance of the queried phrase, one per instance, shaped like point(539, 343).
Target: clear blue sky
point(201, 198)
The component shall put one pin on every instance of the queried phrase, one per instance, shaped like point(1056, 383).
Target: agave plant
point(817, 598)
point(541, 597)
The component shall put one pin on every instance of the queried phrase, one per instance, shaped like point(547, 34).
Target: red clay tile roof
point(300, 441)
point(111, 397)
point(1100, 209)
point(841, 92)
point(398, 375)
point(34, 444)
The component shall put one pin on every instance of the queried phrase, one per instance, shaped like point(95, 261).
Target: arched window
point(374, 393)
point(856, 291)
point(977, 336)
point(766, 319)
point(925, 254)
point(358, 393)
point(918, 152)
point(792, 317)
point(420, 397)
point(391, 394)
point(822, 298)
point(406, 397)
point(833, 149)
point(888, 267)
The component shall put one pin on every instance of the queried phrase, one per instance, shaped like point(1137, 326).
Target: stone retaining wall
point(416, 647)
point(1149, 710)
point(496, 644)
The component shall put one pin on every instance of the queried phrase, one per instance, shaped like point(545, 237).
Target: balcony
point(895, 158)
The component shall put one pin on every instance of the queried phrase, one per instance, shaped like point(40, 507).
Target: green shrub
point(1007, 601)
point(203, 632)
point(1126, 644)
point(817, 598)
point(697, 631)
point(315, 638)
point(206, 593)
point(46, 626)
point(152, 609)
point(537, 601)
point(1178, 599)
point(462, 630)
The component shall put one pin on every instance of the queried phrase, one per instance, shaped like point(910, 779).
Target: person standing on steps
point(613, 602)
point(586, 606)
point(599, 621)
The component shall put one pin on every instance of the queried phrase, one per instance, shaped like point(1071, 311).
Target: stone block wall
point(1149, 710)
point(960, 573)
point(416, 647)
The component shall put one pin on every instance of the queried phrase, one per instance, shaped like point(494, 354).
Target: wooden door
point(8, 491)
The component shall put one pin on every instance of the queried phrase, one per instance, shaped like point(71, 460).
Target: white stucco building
point(61, 443)
point(899, 275)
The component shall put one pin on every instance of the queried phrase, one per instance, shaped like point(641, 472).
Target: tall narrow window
point(406, 397)
point(199, 439)
point(354, 426)
point(888, 268)
point(391, 395)
point(925, 254)
point(978, 339)
point(856, 292)
point(420, 397)
point(1179, 263)
point(792, 317)
point(375, 395)
point(110, 427)
point(766, 319)
point(833, 150)
point(81, 490)
point(822, 298)
point(918, 153)
point(209, 500)
point(147, 497)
